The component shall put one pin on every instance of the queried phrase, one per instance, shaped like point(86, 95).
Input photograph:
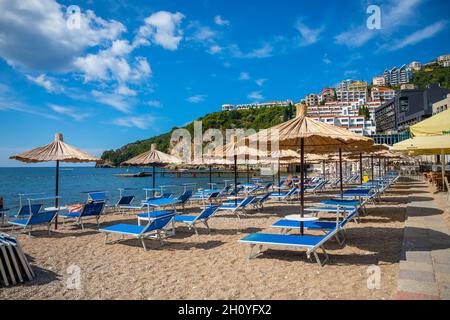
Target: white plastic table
point(297, 217)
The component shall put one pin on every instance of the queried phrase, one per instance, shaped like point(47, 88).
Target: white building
point(378, 81)
point(444, 60)
point(351, 95)
point(441, 105)
point(229, 107)
point(356, 124)
point(415, 66)
point(382, 93)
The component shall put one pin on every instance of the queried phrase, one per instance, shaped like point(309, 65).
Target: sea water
point(75, 182)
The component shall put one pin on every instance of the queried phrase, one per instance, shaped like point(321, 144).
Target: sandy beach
point(215, 266)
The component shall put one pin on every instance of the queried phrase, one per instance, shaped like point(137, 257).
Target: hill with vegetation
point(432, 73)
point(251, 118)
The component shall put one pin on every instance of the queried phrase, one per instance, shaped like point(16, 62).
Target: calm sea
point(74, 182)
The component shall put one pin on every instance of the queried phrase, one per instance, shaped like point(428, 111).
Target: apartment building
point(397, 76)
point(351, 95)
point(356, 124)
point(312, 99)
point(444, 60)
point(415, 66)
point(441, 105)
point(284, 103)
point(407, 108)
point(382, 93)
point(378, 81)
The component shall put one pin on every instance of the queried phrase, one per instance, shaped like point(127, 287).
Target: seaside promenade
point(425, 258)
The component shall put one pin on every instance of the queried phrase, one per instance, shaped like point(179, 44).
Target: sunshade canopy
point(153, 157)
point(427, 145)
point(437, 125)
point(58, 150)
point(318, 137)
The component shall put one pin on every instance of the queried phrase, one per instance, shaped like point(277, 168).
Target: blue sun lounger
point(326, 226)
point(40, 218)
point(237, 208)
point(204, 216)
point(153, 230)
point(26, 210)
point(91, 209)
point(310, 243)
point(283, 195)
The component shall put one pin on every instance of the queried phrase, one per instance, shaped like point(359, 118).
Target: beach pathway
point(425, 257)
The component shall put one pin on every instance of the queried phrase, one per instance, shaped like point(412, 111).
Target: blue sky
point(134, 69)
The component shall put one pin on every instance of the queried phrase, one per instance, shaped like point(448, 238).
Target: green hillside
point(432, 73)
point(252, 118)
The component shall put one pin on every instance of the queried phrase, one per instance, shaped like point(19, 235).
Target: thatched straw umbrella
point(313, 137)
point(58, 151)
point(152, 158)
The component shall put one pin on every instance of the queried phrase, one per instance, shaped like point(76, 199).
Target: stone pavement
point(425, 257)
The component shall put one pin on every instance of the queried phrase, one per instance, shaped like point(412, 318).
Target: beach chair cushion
point(186, 219)
point(313, 225)
point(155, 214)
point(123, 228)
point(283, 239)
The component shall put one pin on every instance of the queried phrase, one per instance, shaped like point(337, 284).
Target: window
point(404, 104)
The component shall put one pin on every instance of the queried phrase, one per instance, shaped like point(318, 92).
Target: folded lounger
point(91, 209)
point(40, 218)
point(153, 230)
point(310, 243)
point(204, 216)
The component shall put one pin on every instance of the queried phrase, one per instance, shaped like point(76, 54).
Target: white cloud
point(68, 111)
point(116, 101)
point(326, 59)
point(420, 35)
point(202, 33)
point(307, 35)
point(198, 98)
point(244, 76)
point(45, 82)
point(111, 64)
point(162, 28)
point(34, 35)
point(141, 122)
point(255, 96)
point(260, 82)
point(154, 103)
point(264, 51)
point(214, 49)
point(394, 14)
point(220, 21)
point(124, 90)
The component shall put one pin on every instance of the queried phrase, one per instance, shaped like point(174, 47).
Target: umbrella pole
point(248, 174)
point(340, 173)
point(379, 168)
point(302, 182)
point(57, 193)
point(360, 169)
point(210, 174)
point(279, 175)
point(372, 171)
point(235, 180)
point(153, 181)
point(443, 170)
